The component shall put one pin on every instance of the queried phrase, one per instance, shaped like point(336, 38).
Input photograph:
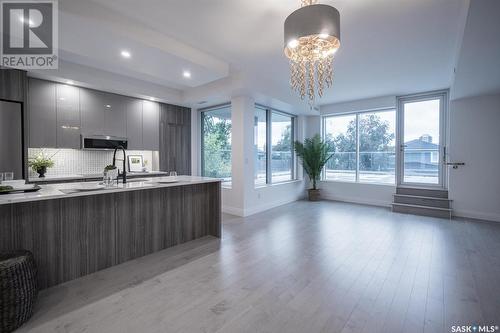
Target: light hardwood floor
point(303, 267)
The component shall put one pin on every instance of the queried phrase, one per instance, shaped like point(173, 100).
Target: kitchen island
point(73, 233)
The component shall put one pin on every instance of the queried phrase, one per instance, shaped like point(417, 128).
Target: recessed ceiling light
point(186, 74)
point(108, 106)
point(125, 54)
point(70, 82)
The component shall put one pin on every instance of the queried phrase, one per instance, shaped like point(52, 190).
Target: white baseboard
point(271, 205)
point(476, 215)
point(371, 202)
point(254, 210)
point(233, 210)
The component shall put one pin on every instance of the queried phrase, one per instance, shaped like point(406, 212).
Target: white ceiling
point(389, 47)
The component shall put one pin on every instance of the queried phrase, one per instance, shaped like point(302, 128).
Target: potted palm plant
point(313, 154)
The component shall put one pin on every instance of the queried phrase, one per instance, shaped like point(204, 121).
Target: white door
point(421, 138)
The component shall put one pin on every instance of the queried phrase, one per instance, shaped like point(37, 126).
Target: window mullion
point(268, 146)
point(357, 147)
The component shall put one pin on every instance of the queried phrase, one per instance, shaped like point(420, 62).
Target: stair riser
point(422, 202)
point(422, 192)
point(421, 211)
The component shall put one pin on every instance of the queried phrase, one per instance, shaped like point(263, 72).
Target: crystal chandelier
point(312, 36)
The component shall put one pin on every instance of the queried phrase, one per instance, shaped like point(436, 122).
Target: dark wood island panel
point(75, 236)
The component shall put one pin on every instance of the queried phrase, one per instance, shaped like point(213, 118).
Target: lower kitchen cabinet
point(71, 237)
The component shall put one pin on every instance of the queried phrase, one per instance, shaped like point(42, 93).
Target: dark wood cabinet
point(175, 139)
point(75, 236)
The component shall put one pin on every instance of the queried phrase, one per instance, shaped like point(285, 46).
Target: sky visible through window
point(421, 118)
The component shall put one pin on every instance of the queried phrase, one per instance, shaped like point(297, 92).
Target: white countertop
point(91, 176)
point(66, 190)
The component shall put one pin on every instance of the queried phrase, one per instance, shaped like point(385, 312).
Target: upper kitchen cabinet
point(134, 123)
point(68, 116)
point(42, 114)
point(103, 113)
point(150, 125)
point(115, 115)
point(92, 112)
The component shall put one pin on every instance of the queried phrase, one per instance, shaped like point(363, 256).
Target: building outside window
point(273, 146)
point(216, 143)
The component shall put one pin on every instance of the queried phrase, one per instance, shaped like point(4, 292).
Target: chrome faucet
point(124, 171)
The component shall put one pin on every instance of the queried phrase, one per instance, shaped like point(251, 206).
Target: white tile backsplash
point(86, 162)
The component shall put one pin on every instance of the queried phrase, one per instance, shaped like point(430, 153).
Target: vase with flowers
point(41, 162)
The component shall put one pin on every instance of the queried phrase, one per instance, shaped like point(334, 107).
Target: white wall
point(383, 102)
point(243, 198)
point(475, 140)
point(371, 194)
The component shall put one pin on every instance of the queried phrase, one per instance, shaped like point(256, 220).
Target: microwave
point(103, 142)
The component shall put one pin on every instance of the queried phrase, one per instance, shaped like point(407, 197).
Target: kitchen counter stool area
point(77, 234)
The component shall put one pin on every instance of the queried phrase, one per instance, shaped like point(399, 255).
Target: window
point(377, 155)
point(216, 143)
point(282, 147)
point(341, 130)
point(273, 137)
point(364, 147)
point(260, 146)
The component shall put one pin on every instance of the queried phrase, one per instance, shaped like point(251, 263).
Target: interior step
point(422, 200)
point(421, 210)
point(422, 192)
